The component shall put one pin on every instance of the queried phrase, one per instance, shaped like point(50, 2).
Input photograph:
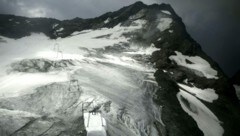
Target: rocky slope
point(138, 65)
point(235, 80)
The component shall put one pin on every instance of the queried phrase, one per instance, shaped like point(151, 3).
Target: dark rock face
point(236, 78)
point(177, 122)
point(166, 96)
point(16, 27)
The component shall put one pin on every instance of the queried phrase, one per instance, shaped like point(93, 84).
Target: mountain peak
point(138, 3)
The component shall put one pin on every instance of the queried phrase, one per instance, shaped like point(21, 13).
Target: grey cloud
point(62, 9)
point(215, 25)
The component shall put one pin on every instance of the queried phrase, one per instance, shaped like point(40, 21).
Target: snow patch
point(60, 29)
point(140, 22)
point(27, 21)
point(166, 12)
point(208, 94)
point(124, 61)
point(185, 81)
point(107, 20)
point(143, 51)
point(164, 24)
point(207, 122)
point(55, 25)
point(198, 64)
point(237, 88)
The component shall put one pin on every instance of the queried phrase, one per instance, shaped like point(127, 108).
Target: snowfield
point(164, 24)
point(43, 78)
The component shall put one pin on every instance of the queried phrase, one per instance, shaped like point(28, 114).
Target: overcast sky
point(215, 24)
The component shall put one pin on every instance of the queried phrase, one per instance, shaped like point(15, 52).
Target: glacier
point(36, 79)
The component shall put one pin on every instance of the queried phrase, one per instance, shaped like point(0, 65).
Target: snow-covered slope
point(137, 67)
point(206, 120)
point(43, 73)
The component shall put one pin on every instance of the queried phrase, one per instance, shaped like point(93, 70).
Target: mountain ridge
point(124, 13)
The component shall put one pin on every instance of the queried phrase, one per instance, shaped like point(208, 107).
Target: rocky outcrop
point(39, 65)
point(236, 78)
point(16, 27)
